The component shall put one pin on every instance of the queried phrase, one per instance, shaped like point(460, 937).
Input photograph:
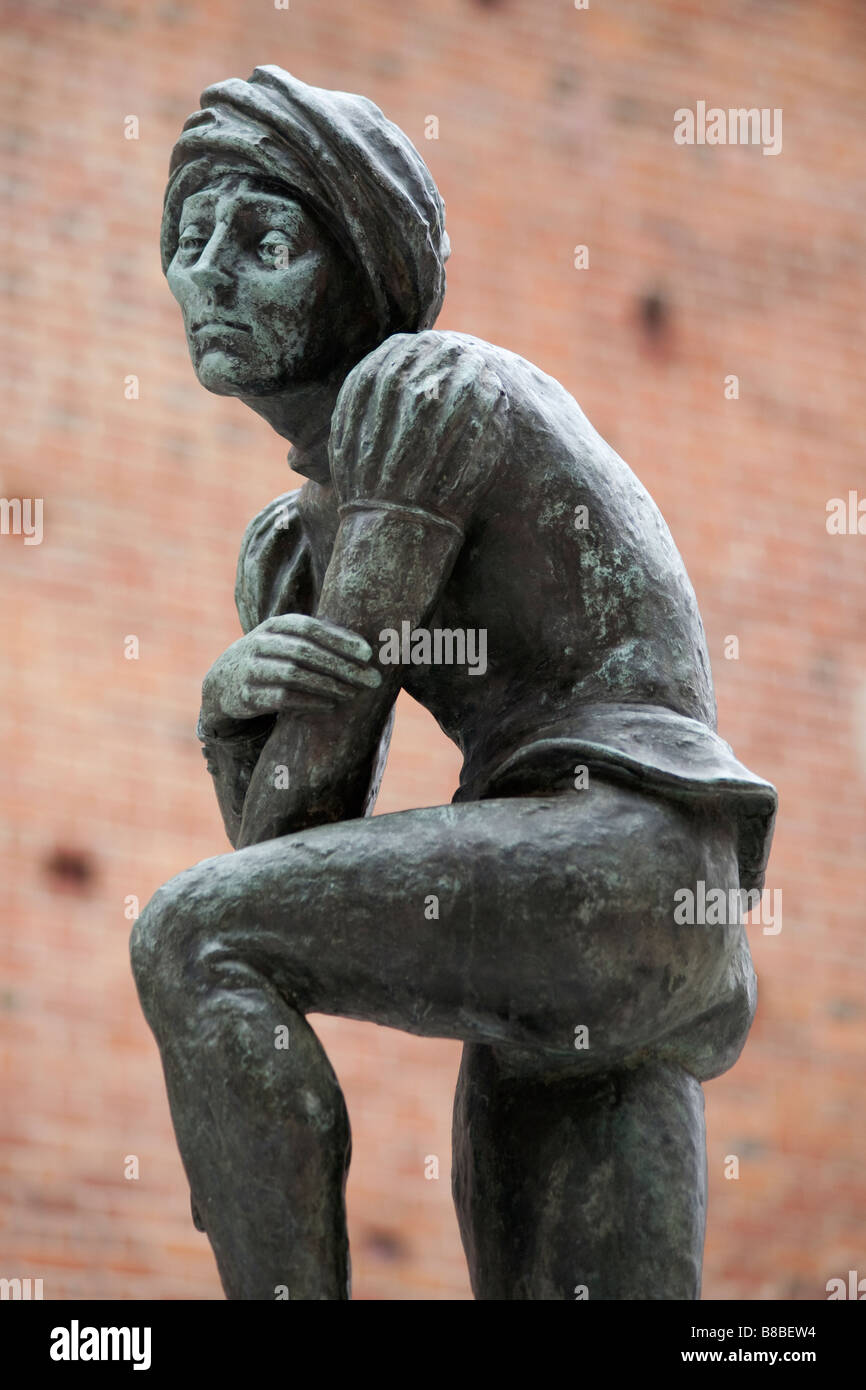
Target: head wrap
point(338, 154)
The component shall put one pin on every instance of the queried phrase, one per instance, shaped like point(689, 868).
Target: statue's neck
point(302, 414)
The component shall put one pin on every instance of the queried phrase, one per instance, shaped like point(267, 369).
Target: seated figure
point(455, 494)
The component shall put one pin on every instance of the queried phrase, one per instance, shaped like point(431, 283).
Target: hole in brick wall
point(175, 14)
point(387, 65)
point(845, 1009)
point(385, 1245)
point(825, 669)
point(655, 314)
point(564, 81)
point(69, 869)
point(798, 1288)
point(626, 110)
point(748, 1148)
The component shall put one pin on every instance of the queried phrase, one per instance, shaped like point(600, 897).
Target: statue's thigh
point(518, 920)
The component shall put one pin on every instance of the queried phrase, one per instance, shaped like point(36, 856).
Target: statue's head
point(268, 297)
point(301, 228)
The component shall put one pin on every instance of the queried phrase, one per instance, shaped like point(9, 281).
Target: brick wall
point(555, 129)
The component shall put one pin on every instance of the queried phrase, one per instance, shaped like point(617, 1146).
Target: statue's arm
point(322, 767)
point(318, 670)
point(288, 662)
point(231, 760)
point(416, 436)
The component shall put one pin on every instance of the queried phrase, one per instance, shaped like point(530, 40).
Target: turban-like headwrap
point(338, 154)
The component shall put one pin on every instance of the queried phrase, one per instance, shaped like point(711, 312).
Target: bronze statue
point(454, 491)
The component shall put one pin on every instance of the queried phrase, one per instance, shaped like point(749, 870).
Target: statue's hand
point(287, 662)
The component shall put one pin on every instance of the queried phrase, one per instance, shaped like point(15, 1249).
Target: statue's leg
point(507, 922)
point(263, 1131)
point(576, 1188)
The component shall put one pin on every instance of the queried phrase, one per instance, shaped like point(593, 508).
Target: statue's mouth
point(219, 326)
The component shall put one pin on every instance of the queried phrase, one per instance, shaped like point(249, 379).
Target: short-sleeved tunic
point(596, 654)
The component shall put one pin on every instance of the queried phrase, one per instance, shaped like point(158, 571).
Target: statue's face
point(262, 289)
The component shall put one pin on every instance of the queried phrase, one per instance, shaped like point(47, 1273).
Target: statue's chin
point(225, 375)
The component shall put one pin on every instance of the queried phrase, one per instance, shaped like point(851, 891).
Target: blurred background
point(554, 130)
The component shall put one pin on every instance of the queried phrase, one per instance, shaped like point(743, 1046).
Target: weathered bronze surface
point(464, 534)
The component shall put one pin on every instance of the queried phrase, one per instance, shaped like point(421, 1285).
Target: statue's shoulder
point(420, 359)
point(415, 358)
point(422, 421)
point(273, 573)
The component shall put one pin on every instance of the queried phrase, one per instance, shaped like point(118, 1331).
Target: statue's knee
point(144, 945)
point(161, 937)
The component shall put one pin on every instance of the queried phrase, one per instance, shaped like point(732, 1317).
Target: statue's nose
point(211, 269)
point(208, 277)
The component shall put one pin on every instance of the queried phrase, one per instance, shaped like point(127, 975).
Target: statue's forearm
point(387, 567)
point(231, 761)
point(314, 769)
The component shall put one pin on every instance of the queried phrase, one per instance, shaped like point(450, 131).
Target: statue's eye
point(274, 248)
point(191, 239)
